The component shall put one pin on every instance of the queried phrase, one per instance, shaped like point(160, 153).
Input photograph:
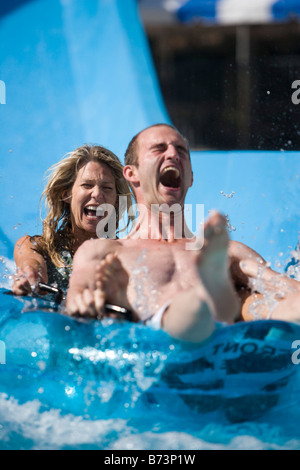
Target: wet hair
point(131, 154)
point(57, 227)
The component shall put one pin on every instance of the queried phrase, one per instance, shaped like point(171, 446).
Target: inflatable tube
point(243, 371)
point(67, 384)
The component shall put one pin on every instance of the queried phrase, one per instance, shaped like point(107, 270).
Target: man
point(156, 271)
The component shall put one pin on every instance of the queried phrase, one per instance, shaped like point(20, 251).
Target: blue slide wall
point(80, 71)
point(75, 71)
point(259, 191)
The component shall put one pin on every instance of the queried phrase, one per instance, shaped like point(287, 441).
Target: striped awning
point(227, 11)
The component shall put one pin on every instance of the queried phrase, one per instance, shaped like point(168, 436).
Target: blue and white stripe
point(234, 11)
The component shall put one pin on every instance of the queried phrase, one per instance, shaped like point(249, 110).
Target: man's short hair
point(131, 155)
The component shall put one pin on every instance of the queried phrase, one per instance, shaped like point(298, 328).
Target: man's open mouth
point(170, 177)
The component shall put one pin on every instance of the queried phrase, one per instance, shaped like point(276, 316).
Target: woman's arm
point(250, 270)
point(31, 267)
point(257, 285)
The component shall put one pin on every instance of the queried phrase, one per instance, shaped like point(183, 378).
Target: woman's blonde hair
point(57, 227)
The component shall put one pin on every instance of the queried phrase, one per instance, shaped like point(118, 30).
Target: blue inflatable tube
point(243, 371)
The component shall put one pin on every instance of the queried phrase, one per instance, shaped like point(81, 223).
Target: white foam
point(168, 440)
point(49, 430)
point(7, 270)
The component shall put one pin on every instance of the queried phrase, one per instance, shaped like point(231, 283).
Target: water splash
point(7, 271)
point(229, 196)
point(293, 264)
point(269, 298)
point(145, 301)
point(230, 227)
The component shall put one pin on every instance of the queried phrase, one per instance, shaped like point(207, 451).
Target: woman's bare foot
point(112, 279)
point(213, 269)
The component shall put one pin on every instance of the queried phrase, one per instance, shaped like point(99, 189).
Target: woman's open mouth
point(170, 177)
point(91, 212)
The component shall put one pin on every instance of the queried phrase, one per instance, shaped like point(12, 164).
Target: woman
point(88, 177)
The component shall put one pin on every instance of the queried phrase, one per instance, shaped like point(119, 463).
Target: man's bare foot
point(112, 279)
point(213, 269)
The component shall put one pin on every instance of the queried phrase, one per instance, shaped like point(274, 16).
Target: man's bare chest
point(162, 263)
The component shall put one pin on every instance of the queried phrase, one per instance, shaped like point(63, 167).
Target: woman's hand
point(26, 281)
point(31, 268)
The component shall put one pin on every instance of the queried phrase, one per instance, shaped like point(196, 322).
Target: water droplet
point(41, 365)
point(230, 195)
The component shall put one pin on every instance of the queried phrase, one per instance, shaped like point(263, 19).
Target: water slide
point(77, 72)
point(259, 192)
point(74, 72)
point(80, 71)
